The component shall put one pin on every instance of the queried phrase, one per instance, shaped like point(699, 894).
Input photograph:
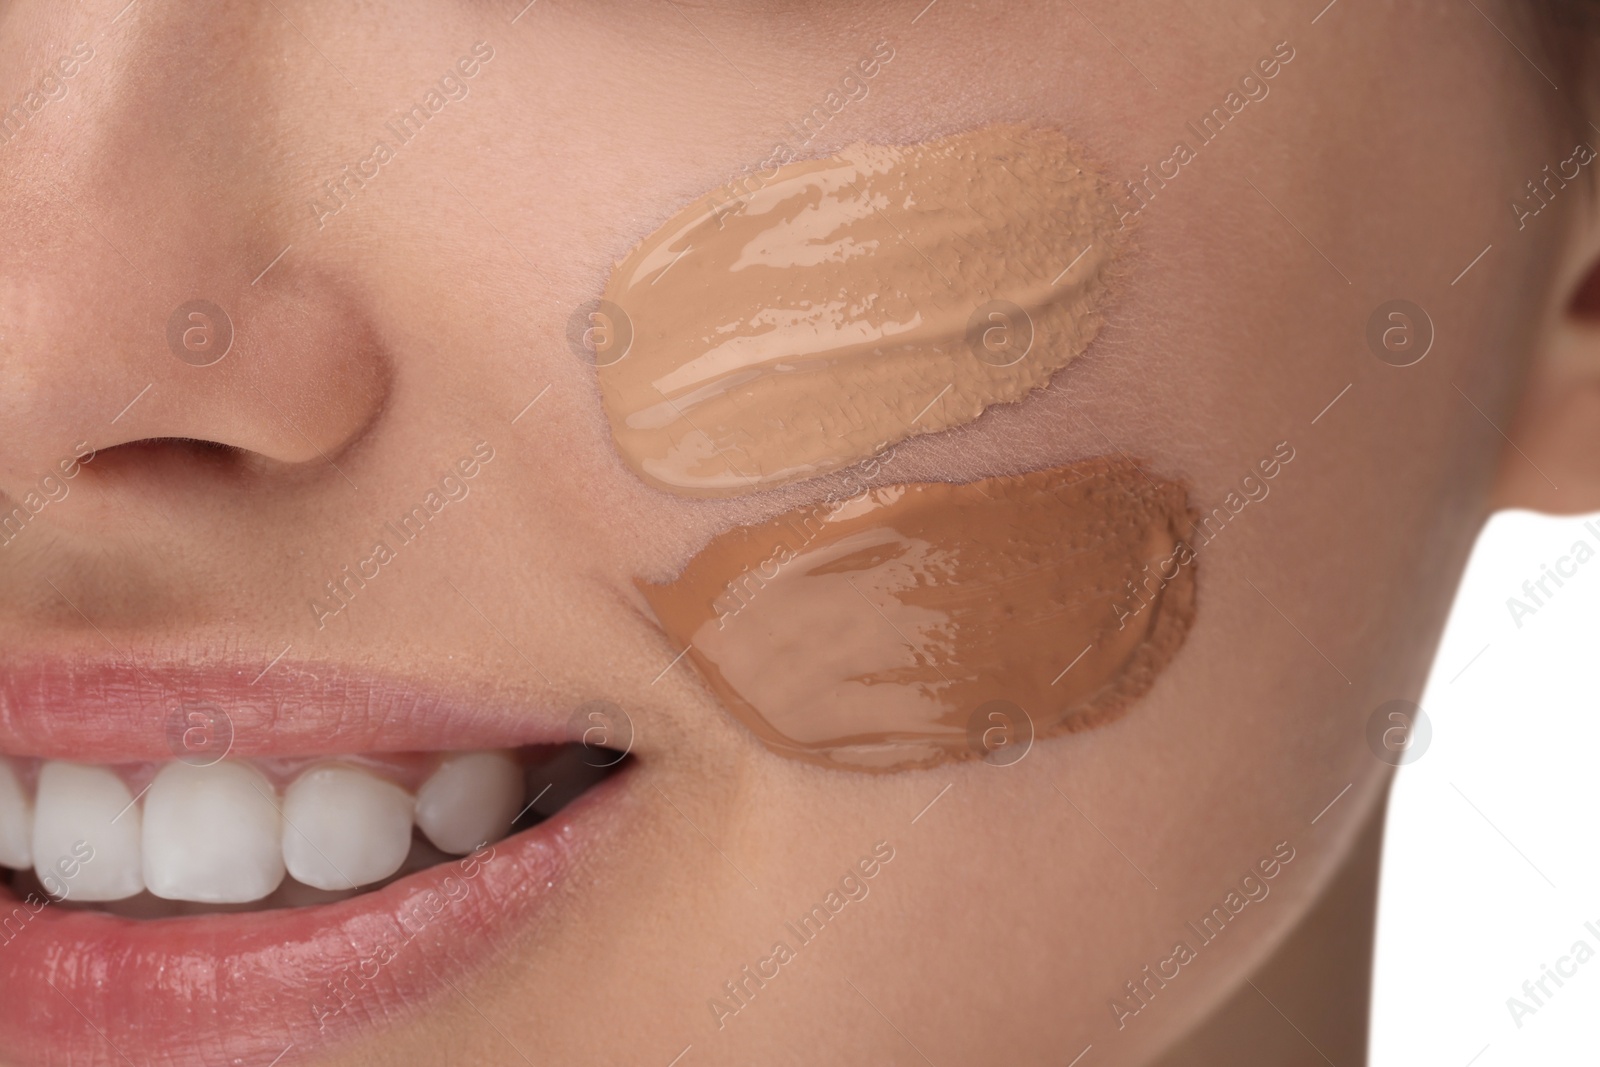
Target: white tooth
point(345, 828)
point(470, 800)
point(211, 834)
point(85, 833)
point(16, 821)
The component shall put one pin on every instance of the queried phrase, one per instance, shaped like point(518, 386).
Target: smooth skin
point(428, 312)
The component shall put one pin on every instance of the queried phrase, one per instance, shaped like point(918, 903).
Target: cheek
point(933, 622)
point(812, 353)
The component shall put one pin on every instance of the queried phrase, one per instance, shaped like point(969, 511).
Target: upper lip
point(113, 712)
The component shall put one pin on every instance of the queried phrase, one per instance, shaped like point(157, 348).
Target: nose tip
point(292, 373)
point(152, 282)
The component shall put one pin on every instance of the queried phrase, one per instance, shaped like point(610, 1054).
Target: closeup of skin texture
point(398, 316)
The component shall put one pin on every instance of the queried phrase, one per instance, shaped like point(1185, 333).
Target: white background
point(1474, 901)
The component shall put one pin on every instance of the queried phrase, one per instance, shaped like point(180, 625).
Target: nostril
point(164, 457)
point(1585, 304)
point(189, 445)
point(153, 448)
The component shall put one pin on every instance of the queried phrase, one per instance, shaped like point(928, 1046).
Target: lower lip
point(87, 989)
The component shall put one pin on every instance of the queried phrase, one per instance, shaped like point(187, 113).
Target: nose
point(150, 286)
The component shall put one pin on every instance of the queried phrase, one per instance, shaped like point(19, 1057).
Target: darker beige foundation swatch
point(800, 319)
point(869, 635)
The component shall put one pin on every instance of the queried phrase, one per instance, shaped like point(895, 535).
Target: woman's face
point(389, 331)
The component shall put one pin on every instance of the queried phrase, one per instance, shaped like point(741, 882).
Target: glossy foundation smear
point(804, 317)
point(877, 634)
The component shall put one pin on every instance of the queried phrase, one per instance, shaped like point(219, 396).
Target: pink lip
point(116, 713)
point(85, 988)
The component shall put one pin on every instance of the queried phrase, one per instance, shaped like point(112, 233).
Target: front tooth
point(470, 800)
point(16, 821)
point(345, 828)
point(85, 833)
point(212, 834)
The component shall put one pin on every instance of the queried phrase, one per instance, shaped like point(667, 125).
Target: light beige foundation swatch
point(845, 303)
point(871, 635)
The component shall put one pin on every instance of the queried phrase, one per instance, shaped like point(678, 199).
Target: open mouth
point(336, 851)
